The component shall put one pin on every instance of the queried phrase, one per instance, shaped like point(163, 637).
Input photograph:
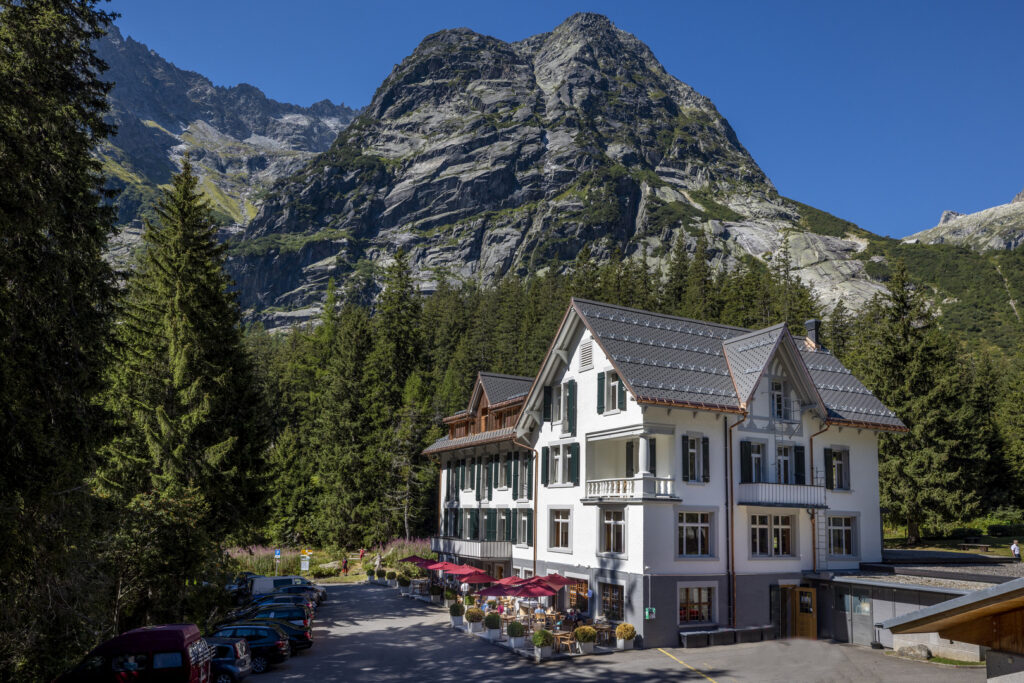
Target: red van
point(171, 653)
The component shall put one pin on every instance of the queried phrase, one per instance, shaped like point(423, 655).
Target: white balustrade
point(627, 487)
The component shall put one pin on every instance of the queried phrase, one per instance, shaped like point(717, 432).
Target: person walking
point(362, 551)
point(344, 566)
point(1015, 549)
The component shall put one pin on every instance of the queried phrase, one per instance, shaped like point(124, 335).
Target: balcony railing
point(789, 495)
point(630, 487)
point(485, 550)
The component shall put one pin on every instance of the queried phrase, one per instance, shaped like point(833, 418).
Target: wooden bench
point(983, 547)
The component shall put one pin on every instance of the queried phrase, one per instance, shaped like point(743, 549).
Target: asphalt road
point(368, 633)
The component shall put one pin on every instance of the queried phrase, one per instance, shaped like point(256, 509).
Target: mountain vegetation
point(147, 429)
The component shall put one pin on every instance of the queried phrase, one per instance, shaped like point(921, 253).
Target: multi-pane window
point(771, 535)
point(778, 401)
point(502, 480)
point(523, 532)
point(757, 462)
point(502, 532)
point(556, 404)
point(695, 604)
point(837, 468)
point(559, 529)
point(612, 600)
point(611, 388)
point(613, 528)
point(784, 465)
point(840, 536)
point(565, 408)
point(695, 533)
point(558, 465)
point(692, 459)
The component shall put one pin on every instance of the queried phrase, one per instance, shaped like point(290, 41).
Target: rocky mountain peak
point(1019, 198)
point(947, 216)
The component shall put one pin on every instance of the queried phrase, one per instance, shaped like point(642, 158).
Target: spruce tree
point(838, 330)
point(190, 423)
point(698, 302)
point(55, 292)
point(674, 288)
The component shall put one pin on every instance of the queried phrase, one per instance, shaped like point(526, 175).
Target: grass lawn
point(999, 546)
point(954, 662)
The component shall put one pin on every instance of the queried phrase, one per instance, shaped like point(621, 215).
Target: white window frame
point(557, 391)
point(784, 459)
point(773, 528)
point(558, 465)
point(844, 483)
point(602, 536)
point(523, 532)
point(778, 399)
point(682, 523)
point(568, 529)
point(853, 529)
point(712, 601)
point(611, 391)
point(501, 526)
point(758, 462)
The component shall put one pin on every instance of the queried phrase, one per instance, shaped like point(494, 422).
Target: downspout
point(814, 513)
point(731, 527)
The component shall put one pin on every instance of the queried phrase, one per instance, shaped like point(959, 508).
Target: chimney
point(812, 326)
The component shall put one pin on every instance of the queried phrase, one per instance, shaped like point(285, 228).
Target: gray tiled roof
point(501, 388)
point(445, 444)
point(677, 360)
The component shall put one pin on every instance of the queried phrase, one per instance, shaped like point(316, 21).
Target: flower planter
point(456, 622)
point(476, 626)
point(587, 648)
point(625, 644)
point(540, 653)
point(405, 590)
point(493, 634)
point(517, 643)
point(393, 583)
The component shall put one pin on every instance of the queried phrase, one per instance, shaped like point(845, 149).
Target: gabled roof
point(444, 444)
point(501, 388)
point(668, 360)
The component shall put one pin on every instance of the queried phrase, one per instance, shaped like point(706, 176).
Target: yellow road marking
point(687, 665)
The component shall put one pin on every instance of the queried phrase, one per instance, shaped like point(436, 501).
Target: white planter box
point(517, 643)
point(393, 583)
point(625, 644)
point(475, 626)
point(587, 648)
point(540, 653)
point(405, 590)
point(494, 634)
point(456, 622)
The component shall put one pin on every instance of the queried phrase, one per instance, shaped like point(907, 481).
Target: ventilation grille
point(586, 355)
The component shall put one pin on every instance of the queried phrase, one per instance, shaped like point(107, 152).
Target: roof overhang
point(955, 614)
point(531, 414)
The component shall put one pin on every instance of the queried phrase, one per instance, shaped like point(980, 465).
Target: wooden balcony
point(629, 488)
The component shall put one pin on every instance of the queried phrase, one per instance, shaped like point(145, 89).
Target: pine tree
point(190, 421)
point(674, 288)
point(54, 315)
point(838, 330)
point(699, 302)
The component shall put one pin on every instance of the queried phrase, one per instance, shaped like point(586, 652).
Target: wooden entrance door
point(804, 611)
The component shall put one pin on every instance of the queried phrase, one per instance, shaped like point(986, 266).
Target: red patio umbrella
point(495, 591)
point(461, 569)
point(510, 580)
point(439, 566)
point(416, 560)
point(557, 580)
point(531, 590)
point(477, 577)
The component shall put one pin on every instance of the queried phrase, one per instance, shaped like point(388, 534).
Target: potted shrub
point(542, 642)
point(435, 593)
point(516, 635)
point(624, 634)
point(456, 610)
point(381, 573)
point(392, 577)
point(492, 622)
point(586, 636)
point(492, 603)
point(474, 617)
point(449, 597)
point(403, 584)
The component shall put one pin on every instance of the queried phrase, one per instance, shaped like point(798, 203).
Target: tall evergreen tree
point(55, 290)
point(699, 302)
point(189, 418)
point(674, 287)
point(838, 330)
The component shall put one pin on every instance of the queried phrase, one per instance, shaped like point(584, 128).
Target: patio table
point(605, 632)
point(563, 638)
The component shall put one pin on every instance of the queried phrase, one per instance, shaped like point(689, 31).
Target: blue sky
point(883, 113)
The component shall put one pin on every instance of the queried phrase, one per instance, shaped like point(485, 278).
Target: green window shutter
point(574, 464)
point(491, 471)
point(515, 476)
point(685, 469)
point(508, 469)
point(830, 482)
point(746, 463)
point(630, 471)
point(478, 471)
point(652, 455)
point(545, 455)
point(705, 454)
point(491, 525)
point(474, 531)
point(547, 404)
point(529, 527)
point(600, 393)
point(570, 388)
point(529, 476)
point(515, 527)
point(801, 467)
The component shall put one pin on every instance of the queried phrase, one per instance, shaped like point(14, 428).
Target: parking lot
point(369, 633)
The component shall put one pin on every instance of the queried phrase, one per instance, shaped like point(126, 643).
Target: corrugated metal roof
point(445, 444)
point(501, 388)
point(667, 359)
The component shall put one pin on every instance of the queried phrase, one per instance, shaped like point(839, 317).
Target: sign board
point(304, 562)
point(649, 612)
point(277, 553)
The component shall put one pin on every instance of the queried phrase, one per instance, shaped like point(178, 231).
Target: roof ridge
point(661, 315)
point(752, 333)
point(499, 374)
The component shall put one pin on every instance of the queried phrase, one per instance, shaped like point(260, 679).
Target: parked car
point(232, 660)
point(286, 598)
point(299, 637)
point(261, 610)
point(262, 585)
point(268, 645)
point(296, 614)
point(171, 653)
point(300, 589)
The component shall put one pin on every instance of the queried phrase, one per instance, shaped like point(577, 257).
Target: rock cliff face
point(239, 140)
point(1000, 227)
point(481, 157)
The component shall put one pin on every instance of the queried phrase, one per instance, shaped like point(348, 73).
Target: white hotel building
point(691, 475)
